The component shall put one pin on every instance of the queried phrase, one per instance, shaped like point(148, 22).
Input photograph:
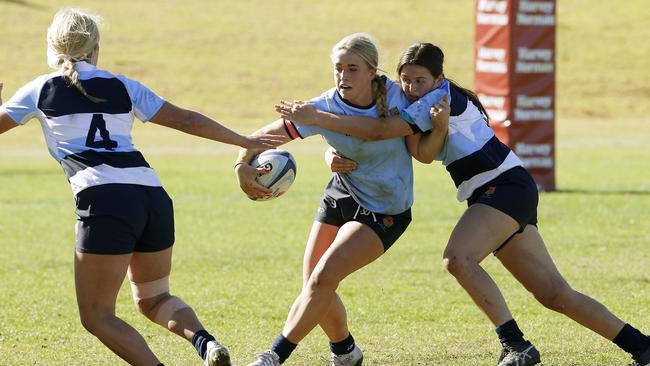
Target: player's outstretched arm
point(366, 128)
point(197, 124)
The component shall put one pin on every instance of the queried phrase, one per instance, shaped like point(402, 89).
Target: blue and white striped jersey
point(91, 141)
point(472, 153)
point(383, 180)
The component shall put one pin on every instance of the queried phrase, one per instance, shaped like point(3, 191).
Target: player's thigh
point(356, 245)
point(98, 278)
point(150, 266)
point(480, 230)
point(527, 258)
point(321, 237)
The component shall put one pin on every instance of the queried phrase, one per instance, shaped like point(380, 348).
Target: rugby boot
point(216, 355)
point(354, 358)
point(642, 358)
point(519, 354)
point(267, 358)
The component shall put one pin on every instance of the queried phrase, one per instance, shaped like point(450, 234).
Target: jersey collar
point(84, 66)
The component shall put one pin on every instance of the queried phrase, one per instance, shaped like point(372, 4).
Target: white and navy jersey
point(92, 141)
point(472, 153)
point(383, 180)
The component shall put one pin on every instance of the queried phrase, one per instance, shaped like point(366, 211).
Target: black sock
point(282, 347)
point(343, 347)
point(509, 333)
point(630, 340)
point(200, 341)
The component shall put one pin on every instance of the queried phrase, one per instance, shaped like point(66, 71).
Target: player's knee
point(456, 265)
point(92, 320)
point(88, 322)
point(323, 279)
point(147, 306)
point(154, 301)
point(146, 295)
point(557, 296)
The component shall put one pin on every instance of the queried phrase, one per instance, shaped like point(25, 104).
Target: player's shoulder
point(459, 101)
point(325, 99)
point(32, 89)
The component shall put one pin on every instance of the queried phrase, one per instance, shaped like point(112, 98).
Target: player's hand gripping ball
point(282, 172)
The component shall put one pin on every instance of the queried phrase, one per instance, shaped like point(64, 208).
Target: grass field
point(238, 262)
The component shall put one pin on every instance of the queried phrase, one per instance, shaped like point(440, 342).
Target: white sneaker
point(267, 358)
point(354, 358)
point(216, 355)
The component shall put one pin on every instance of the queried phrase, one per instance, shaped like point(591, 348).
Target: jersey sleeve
point(320, 103)
point(418, 112)
point(23, 105)
point(146, 103)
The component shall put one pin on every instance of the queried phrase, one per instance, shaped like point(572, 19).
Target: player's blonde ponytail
point(379, 94)
point(364, 46)
point(73, 36)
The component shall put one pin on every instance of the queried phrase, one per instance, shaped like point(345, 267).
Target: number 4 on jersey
point(98, 123)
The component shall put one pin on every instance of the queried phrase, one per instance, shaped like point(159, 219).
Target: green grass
point(238, 262)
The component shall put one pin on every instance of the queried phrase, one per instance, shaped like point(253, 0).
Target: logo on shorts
point(388, 221)
point(489, 191)
point(321, 210)
point(394, 111)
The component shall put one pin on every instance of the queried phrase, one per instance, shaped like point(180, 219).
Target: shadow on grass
point(603, 192)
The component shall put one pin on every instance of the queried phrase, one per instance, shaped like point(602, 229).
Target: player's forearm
point(275, 128)
point(200, 125)
point(366, 128)
point(430, 145)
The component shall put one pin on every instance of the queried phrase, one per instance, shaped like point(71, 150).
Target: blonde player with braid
point(125, 219)
point(361, 213)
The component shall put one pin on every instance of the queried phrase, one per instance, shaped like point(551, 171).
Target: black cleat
point(519, 354)
point(642, 358)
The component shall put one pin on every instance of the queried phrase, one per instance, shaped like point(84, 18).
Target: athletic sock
point(200, 341)
point(282, 347)
point(509, 333)
point(343, 347)
point(630, 340)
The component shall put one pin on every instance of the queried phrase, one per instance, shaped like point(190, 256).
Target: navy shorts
point(337, 212)
point(514, 193)
point(124, 218)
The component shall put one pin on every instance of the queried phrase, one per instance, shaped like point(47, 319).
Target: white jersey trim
point(466, 188)
point(106, 174)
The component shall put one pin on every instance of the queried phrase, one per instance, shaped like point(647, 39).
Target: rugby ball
point(282, 172)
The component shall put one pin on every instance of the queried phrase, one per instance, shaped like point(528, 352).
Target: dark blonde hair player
point(360, 215)
point(501, 217)
point(125, 219)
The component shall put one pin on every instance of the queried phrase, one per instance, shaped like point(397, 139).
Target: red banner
point(515, 78)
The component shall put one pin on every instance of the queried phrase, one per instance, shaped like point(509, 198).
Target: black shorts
point(124, 218)
point(514, 193)
point(337, 212)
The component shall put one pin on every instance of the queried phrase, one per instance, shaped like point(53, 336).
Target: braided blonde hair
point(362, 45)
point(73, 36)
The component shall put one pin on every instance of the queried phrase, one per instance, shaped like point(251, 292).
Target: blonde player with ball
point(360, 215)
point(125, 219)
